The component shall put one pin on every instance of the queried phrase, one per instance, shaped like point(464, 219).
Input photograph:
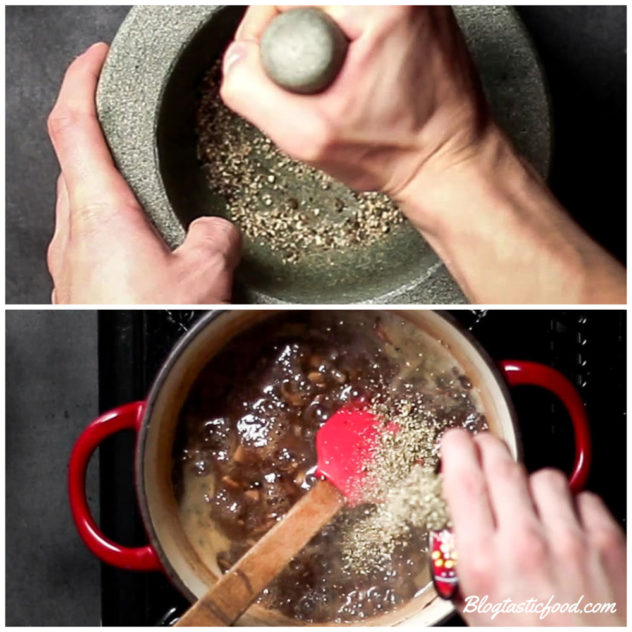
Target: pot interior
point(154, 466)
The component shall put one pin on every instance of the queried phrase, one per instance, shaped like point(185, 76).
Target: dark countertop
point(51, 395)
point(40, 43)
point(582, 50)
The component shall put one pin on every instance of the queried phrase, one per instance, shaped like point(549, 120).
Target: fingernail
point(93, 47)
point(234, 53)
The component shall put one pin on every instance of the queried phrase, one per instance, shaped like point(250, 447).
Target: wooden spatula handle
point(231, 595)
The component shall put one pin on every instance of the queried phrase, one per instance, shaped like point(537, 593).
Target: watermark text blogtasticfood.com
point(482, 605)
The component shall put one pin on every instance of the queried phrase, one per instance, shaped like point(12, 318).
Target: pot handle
point(519, 372)
point(142, 558)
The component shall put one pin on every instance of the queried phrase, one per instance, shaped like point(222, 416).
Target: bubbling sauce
point(245, 451)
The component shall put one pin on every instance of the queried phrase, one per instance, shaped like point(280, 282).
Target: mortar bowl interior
point(355, 274)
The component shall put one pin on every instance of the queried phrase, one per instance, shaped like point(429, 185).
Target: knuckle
point(237, 79)
point(63, 120)
point(229, 92)
point(233, 240)
point(198, 269)
point(463, 483)
point(234, 91)
point(530, 548)
point(207, 259)
point(60, 120)
point(477, 571)
point(603, 532)
point(215, 235)
point(104, 216)
point(607, 538)
point(474, 486)
point(571, 544)
point(321, 142)
point(592, 504)
point(216, 262)
point(507, 470)
point(549, 477)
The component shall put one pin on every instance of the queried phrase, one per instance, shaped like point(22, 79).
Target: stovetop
point(587, 346)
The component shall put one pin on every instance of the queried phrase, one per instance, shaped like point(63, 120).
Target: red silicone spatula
point(343, 449)
point(343, 446)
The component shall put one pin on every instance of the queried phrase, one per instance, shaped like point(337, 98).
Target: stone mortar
point(139, 72)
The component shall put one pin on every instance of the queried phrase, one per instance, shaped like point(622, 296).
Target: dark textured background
point(582, 50)
point(51, 395)
point(40, 43)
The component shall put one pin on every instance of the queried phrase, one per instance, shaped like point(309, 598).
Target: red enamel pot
point(155, 419)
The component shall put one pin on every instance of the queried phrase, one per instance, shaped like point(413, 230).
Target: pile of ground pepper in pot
point(278, 202)
point(246, 453)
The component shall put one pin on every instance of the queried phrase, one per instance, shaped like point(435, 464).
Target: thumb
point(212, 237)
point(243, 77)
point(278, 113)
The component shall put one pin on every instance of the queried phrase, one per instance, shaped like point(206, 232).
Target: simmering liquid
point(245, 451)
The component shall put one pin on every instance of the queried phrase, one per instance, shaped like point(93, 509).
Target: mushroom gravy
point(245, 449)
